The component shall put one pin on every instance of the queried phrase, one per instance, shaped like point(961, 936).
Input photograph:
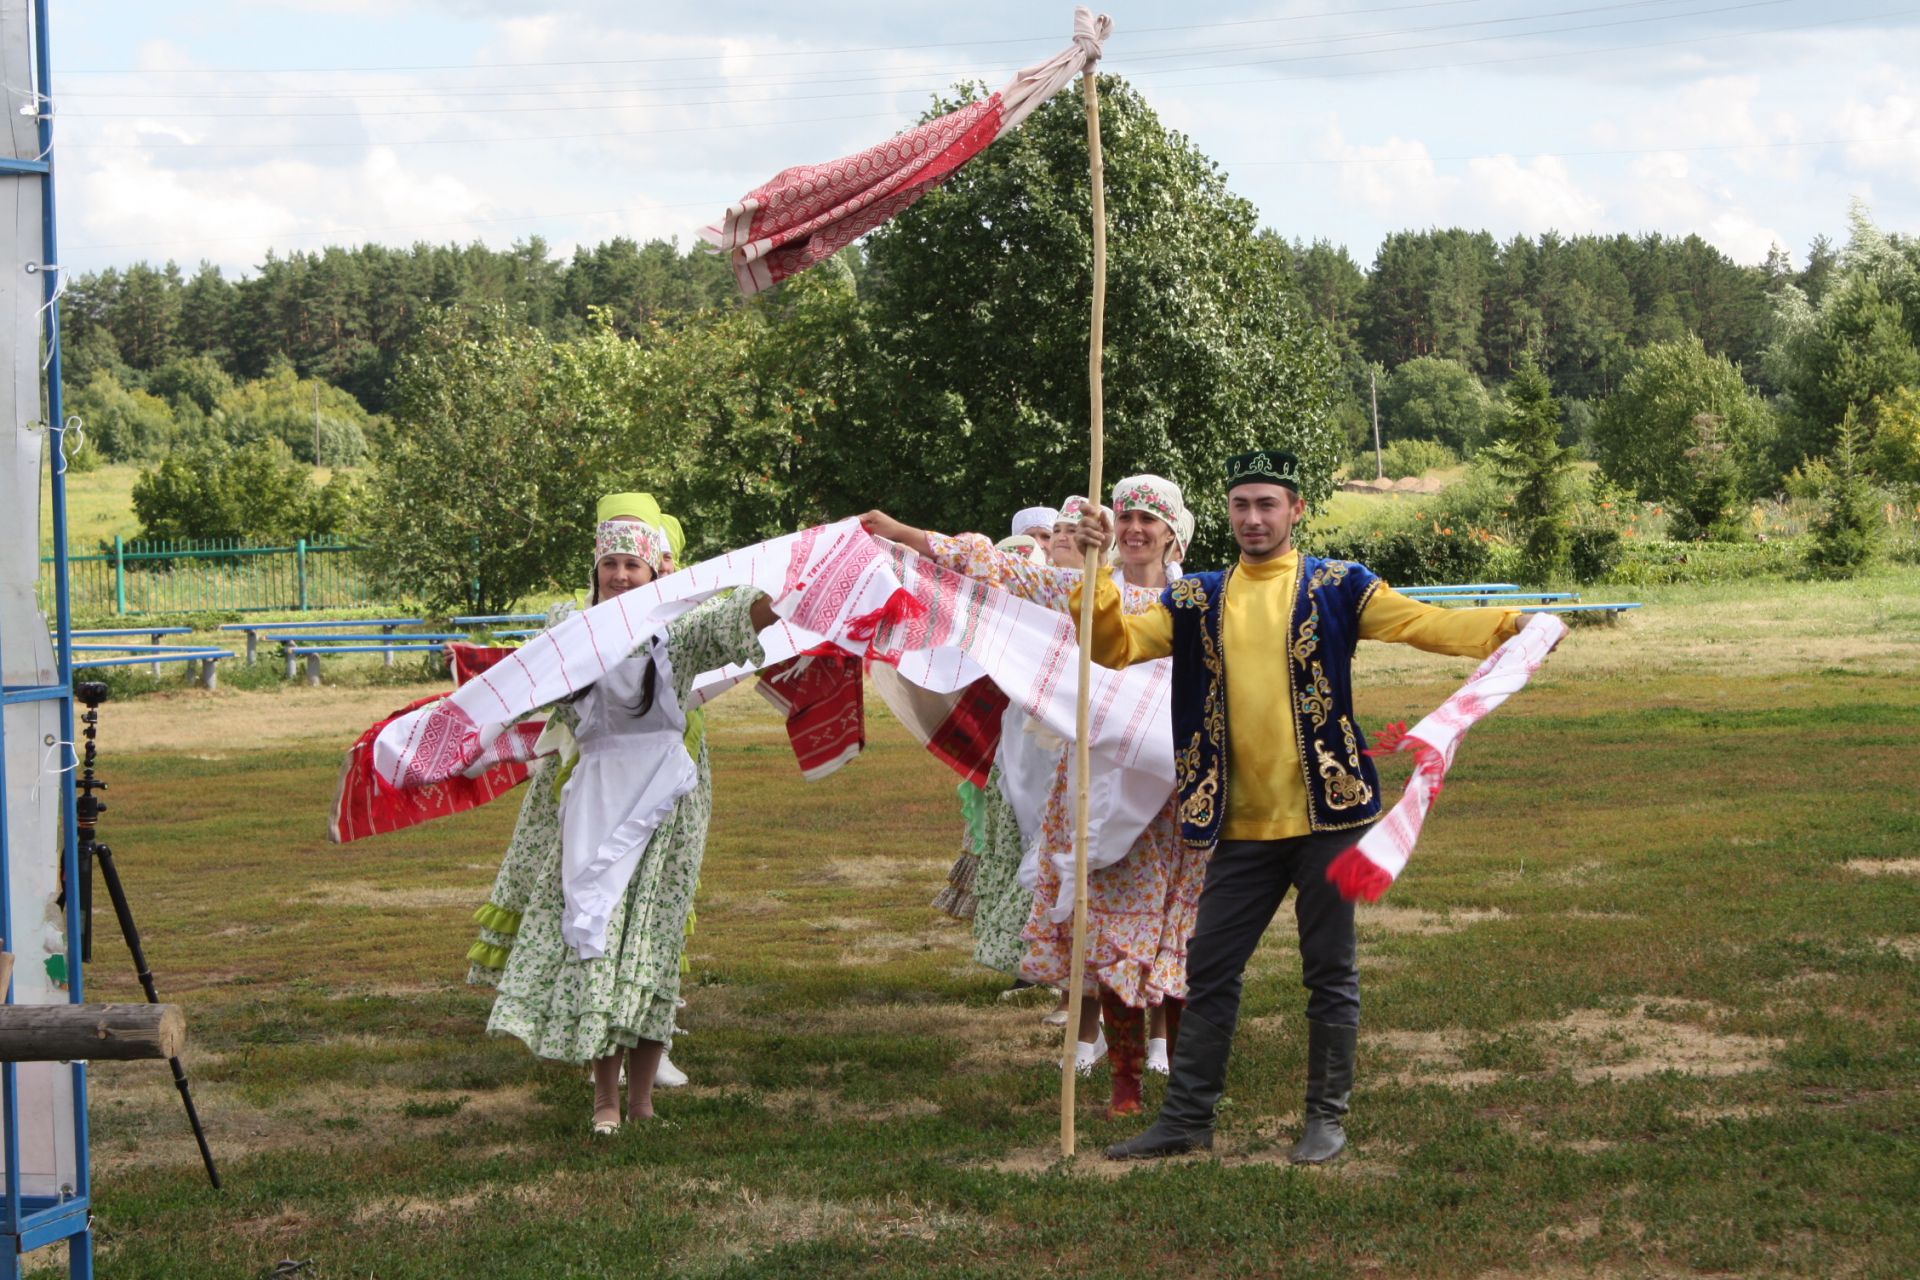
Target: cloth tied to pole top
point(806, 214)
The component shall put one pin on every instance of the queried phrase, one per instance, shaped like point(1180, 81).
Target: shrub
point(1592, 552)
point(256, 491)
point(1658, 563)
point(1847, 531)
point(1404, 458)
point(1706, 494)
point(87, 457)
point(123, 423)
point(1423, 550)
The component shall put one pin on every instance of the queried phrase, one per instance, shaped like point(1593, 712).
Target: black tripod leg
point(123, 910)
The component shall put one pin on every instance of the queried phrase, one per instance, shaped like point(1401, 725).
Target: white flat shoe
point(668, 1076)
point(1157, 1057)
point(1087, 1056)
point(605, 1128)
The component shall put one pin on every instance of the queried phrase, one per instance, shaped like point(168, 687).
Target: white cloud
point(674, 141)
point(1396, 178)
point(236, 215)
point(1886, 133)
point(1539, 194)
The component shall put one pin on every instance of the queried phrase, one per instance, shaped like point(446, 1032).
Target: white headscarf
point(1044, 517)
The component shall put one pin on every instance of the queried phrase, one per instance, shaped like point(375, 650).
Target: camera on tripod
point(87, 808)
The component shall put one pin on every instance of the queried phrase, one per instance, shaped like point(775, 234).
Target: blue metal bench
point(385, 642)
point(1508, 597)
point(486, 619)
point(1583, 608)
point(255, 629)
point(314, 652)
point(153, 635)
point(1459, 589)
point(153, 655)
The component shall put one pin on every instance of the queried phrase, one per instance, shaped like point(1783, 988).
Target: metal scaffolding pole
point(47, 1194)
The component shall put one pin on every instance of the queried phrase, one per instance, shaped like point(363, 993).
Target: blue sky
point(218, 131)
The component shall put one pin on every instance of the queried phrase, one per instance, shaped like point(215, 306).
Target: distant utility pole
point(1373, 393)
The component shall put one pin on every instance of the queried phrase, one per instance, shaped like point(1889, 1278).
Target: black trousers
point(1247, 880)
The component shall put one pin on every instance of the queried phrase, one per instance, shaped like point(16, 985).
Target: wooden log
point(95, 1032)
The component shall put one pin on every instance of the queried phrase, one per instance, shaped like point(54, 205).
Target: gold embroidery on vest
point(1344, 790)
point(1188, 593)
point(1316, 700)
point(1309, 638)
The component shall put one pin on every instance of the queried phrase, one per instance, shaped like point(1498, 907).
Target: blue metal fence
point(147, 576)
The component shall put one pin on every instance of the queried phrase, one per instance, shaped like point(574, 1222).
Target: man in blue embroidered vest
point(1272, 776)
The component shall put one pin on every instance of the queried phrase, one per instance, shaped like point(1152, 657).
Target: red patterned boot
point(1126, 1052)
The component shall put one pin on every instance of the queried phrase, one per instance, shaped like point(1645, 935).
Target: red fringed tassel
point(1388, 740)
point(1357, 877)
point(901, 606)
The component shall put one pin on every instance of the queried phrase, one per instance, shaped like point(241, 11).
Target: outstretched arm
point(1465, 633)
point(724, 629)
point(881, 525)
point(976, 556)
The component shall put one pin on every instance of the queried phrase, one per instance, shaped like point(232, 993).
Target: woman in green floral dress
point(618, 1004)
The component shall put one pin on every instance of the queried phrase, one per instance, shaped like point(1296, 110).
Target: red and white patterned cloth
point(1369, 869)
point(832, 584)
point(822, 697)
point(810, 212)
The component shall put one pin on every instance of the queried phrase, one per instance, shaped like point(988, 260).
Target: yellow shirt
point(1266, 787)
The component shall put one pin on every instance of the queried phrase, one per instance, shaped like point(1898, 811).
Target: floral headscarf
point(630, 538)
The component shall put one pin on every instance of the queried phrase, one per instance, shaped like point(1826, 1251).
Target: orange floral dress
point(1141, 909)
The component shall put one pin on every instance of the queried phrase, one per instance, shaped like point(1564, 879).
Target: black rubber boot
point(1329, 1085)
point(1198, 1078)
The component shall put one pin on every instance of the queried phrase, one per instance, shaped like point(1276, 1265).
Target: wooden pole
point(1373, 393)
point(1082, 757)
point(90, 1032)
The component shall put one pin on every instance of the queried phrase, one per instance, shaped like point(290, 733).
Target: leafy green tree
point(319, 423)
point(1643, 431)
point(1894, 455)
point(1861, 340)
point(976, 403)
point(123, 423)
point(499, 450)
point(1853, 349)
point(257, 491)
point(196, 381)
point(1529, 456)
point(1435, 399)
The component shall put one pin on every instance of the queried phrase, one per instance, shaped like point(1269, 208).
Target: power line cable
point(715, 57)
point(1130, 61)
point(816, 81)
point(545, 138)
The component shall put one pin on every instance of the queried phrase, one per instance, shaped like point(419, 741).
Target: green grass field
point(1647, 1003)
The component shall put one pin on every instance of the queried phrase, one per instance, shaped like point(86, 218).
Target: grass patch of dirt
point(1589, 1044)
